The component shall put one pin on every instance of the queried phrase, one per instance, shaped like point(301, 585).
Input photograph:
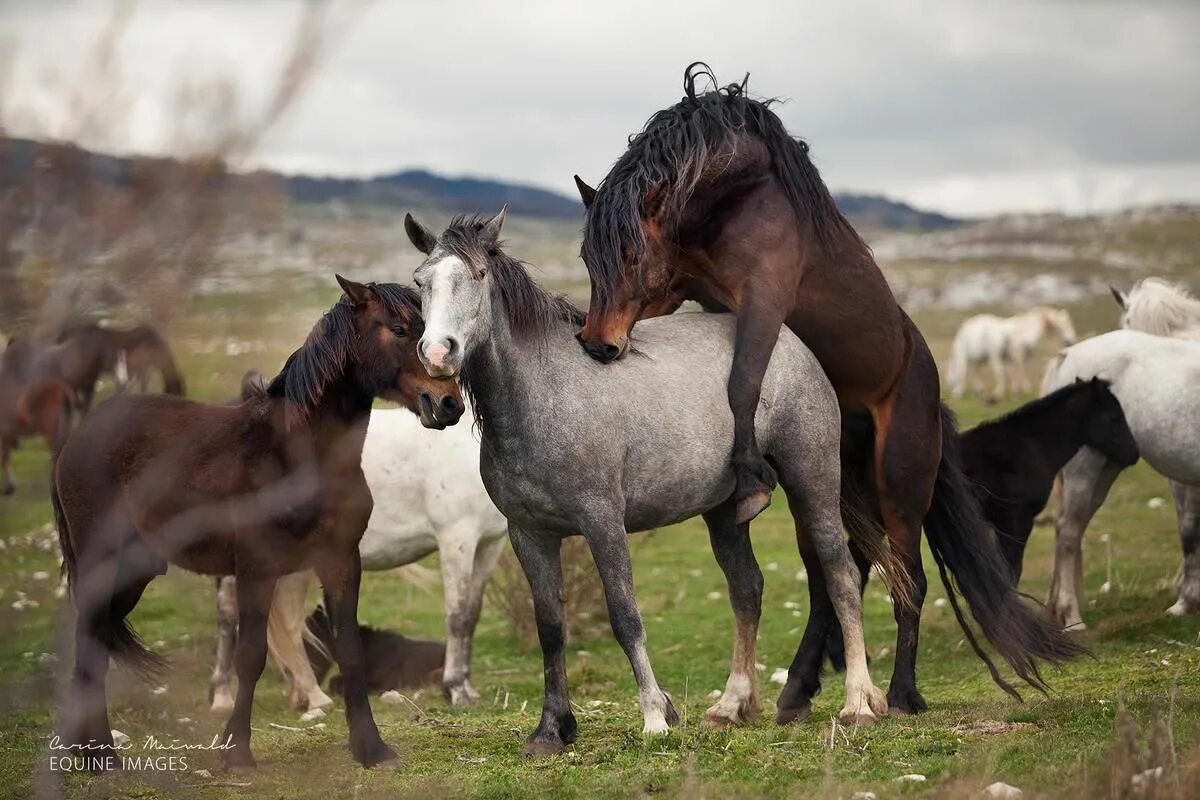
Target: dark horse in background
point(82, 354)
point(262, 489)
point(714, 201)
point(44, 406)
point(1012, 461)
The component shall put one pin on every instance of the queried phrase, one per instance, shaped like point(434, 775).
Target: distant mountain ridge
point(419, 188)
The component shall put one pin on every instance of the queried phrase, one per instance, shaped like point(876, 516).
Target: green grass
point(1057, 743)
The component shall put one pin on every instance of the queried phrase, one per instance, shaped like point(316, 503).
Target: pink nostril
point(436, 354)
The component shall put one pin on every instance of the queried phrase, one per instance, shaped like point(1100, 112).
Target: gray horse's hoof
point(786, 716)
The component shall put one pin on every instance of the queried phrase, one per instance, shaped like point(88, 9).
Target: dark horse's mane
point(325, 355)
point(1036, 408)
point(530, 309)
point(673, 149)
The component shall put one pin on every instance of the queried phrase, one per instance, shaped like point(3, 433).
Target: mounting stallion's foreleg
point(758, 325)
point(739, 702)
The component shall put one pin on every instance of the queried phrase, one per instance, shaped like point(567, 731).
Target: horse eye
point(400, 330)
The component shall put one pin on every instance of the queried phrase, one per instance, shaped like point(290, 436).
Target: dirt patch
point(990, 727)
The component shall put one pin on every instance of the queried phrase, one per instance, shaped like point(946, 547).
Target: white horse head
point(1159, 307)
point(1059, 319)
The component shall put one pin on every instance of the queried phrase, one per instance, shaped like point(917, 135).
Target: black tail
point(965, 547)
point(111, 630)
point(318, 644)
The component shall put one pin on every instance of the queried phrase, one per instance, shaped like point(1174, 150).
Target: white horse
point(999, 341)
point(428, 497)
point(1160, 307)
point(1157, 380)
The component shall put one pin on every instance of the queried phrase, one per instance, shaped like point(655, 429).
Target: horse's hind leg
point(285, 642)
point(221, 699)
point(86, 715)
point(1086, 480)
point(739, 702)
point(804, 674)
point(541, 561)
point(610, 551)
point(463, 558)
point(1187, 506)
point(907, 454)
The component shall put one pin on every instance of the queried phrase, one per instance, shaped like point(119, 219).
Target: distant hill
point(425, 190)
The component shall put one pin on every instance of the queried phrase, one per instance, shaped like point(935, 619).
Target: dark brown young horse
point(258, 490)
point(714, 201)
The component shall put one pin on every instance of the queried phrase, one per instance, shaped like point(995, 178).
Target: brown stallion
point(142, 349)
point(714, 201)
point(261, 489)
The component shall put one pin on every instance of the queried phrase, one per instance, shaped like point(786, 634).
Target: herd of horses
point(802, 372)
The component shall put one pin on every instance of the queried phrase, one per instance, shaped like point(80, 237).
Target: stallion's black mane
point(325, 355)
point(673, 150)
point(530, 309)
point(1036, 408)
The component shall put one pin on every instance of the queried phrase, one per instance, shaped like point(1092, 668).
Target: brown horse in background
point(714, 201)
point(81, 355)
point(45, 407)
point(261, 489)
point(140, 350)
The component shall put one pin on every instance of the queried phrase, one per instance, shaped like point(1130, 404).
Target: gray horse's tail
point(969, 561)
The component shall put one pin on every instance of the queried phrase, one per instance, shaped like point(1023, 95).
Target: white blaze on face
point(438, 297)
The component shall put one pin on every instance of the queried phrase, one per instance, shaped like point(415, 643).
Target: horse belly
point(862, 355)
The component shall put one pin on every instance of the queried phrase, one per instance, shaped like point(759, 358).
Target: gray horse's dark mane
point(532, 312)
point(326, 353)
point(672, 150)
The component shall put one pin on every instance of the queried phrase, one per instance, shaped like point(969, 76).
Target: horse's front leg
point(541, 561)
point(739, 702)
point(1187, 506)
point(1085, 483)
point(758, 325)
point(341, 575)
point(610, 551)
point(254, 603)
point(227, 616)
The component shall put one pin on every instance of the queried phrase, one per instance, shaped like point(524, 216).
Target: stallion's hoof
point(786, 716)
point(462, 695)
point(1181, 609)
point(538, 748)
point(751, 506)
point(906, 703)
point(222, 705)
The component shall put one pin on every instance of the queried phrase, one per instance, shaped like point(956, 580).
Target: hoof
point(7, 489)
point(853, 718)
point(462, 695)
point(671, 715)
point(1181, 609)
point(538, 748)
point(388, 764)
point(721, 718)
point(751, 506)
point(239, 764)
point(906, 702)
point(222, 705)
point(786, 716)
point(320, 700)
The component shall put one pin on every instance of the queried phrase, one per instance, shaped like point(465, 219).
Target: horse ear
point(655, 202)
point(586, 193)
point(421, 237)
point(491, 229)
point(359, 293)
point(1120, 297)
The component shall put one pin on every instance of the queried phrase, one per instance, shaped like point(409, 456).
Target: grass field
point(1049, 746)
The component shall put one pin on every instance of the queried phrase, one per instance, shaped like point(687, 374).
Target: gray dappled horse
point(570, 446)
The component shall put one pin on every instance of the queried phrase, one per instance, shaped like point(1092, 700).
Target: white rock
point(202, 773)
point(714, 595)
point(41, 575)
point(940, 603)
point(802, 576)
point(60, 592)
point(311, 714)
point(863, 796)
point(715, 694)
point(760, 666)
point(1155, 502)
point(913, 778)
point(159, 690)
point(1002, 791)
point(392, 697)
point(779, 676)
point(184, 720)
point(119, 739)
point(773, 566)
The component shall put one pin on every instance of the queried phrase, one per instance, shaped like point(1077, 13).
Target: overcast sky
point(964, 107)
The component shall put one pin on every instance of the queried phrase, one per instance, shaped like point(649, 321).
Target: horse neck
point(503, 374)
point(337, 426)
point(1056, 429)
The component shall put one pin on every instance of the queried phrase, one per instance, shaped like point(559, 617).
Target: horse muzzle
point(440, 413)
